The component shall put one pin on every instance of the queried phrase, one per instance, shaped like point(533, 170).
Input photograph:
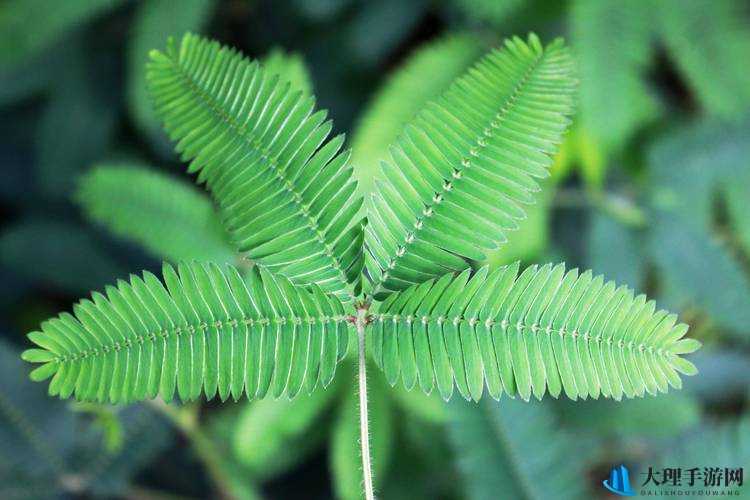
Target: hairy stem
point(364, 433)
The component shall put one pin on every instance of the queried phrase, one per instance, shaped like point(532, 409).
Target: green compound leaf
point(286, 196)
point(545, 330)
point(460, 172)
point(207, 330)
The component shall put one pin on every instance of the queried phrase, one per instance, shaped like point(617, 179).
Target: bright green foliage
point(17, 16)
point(459, 173)
point(526, 446)
point(285, 195)
point(155, 21)
point(168, 217)
point(613, 43)
point(456, 181)
point(706, 49)
point(206, 330)
point(543, 330)
point(290, 68)
point(402, 97)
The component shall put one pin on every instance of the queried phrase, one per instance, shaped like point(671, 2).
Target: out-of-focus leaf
point(514, 450)
point(144, 435)
point(78, 122)
point(723, 375)
point(154, 22)
point(423, 449)
point(738, 205)
point(403, 95)
point(30, 26)
point(591, 157)
point(429, 408)
point(688, 168)
point(707, 41)
point(272, 435)
point(59, 254)
point(290, 67)
point(634, 417)
point(220, 429)
point(612, 41)
point(346, 461)
point(26, 78)
point(36, 431)
point(385, 23)
point(696, 269)
point(725, 444)
point(688, 165)
point(106, 420)
point(168, 217)
point(495, 12)
point(320, 10)
point(53, 452)
point(17, 181)
point(615, 250)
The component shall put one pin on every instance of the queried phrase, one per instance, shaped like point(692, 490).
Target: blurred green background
point(651, 188)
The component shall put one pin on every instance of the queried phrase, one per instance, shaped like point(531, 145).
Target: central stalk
point(364, 433)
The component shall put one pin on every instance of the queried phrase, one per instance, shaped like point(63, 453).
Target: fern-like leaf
point(459, 174)
point(206, 330)
point(168, 217)
point(286, 196)
point(545, 330)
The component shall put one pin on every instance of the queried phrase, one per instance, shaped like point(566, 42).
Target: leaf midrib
point(191, 330)
point(522, 326)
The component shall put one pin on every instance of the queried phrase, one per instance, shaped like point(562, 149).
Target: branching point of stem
point(364, 433)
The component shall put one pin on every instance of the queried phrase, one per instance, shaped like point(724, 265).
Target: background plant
point(608, 192)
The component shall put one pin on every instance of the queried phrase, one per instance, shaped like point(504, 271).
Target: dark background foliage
point(651, 188)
